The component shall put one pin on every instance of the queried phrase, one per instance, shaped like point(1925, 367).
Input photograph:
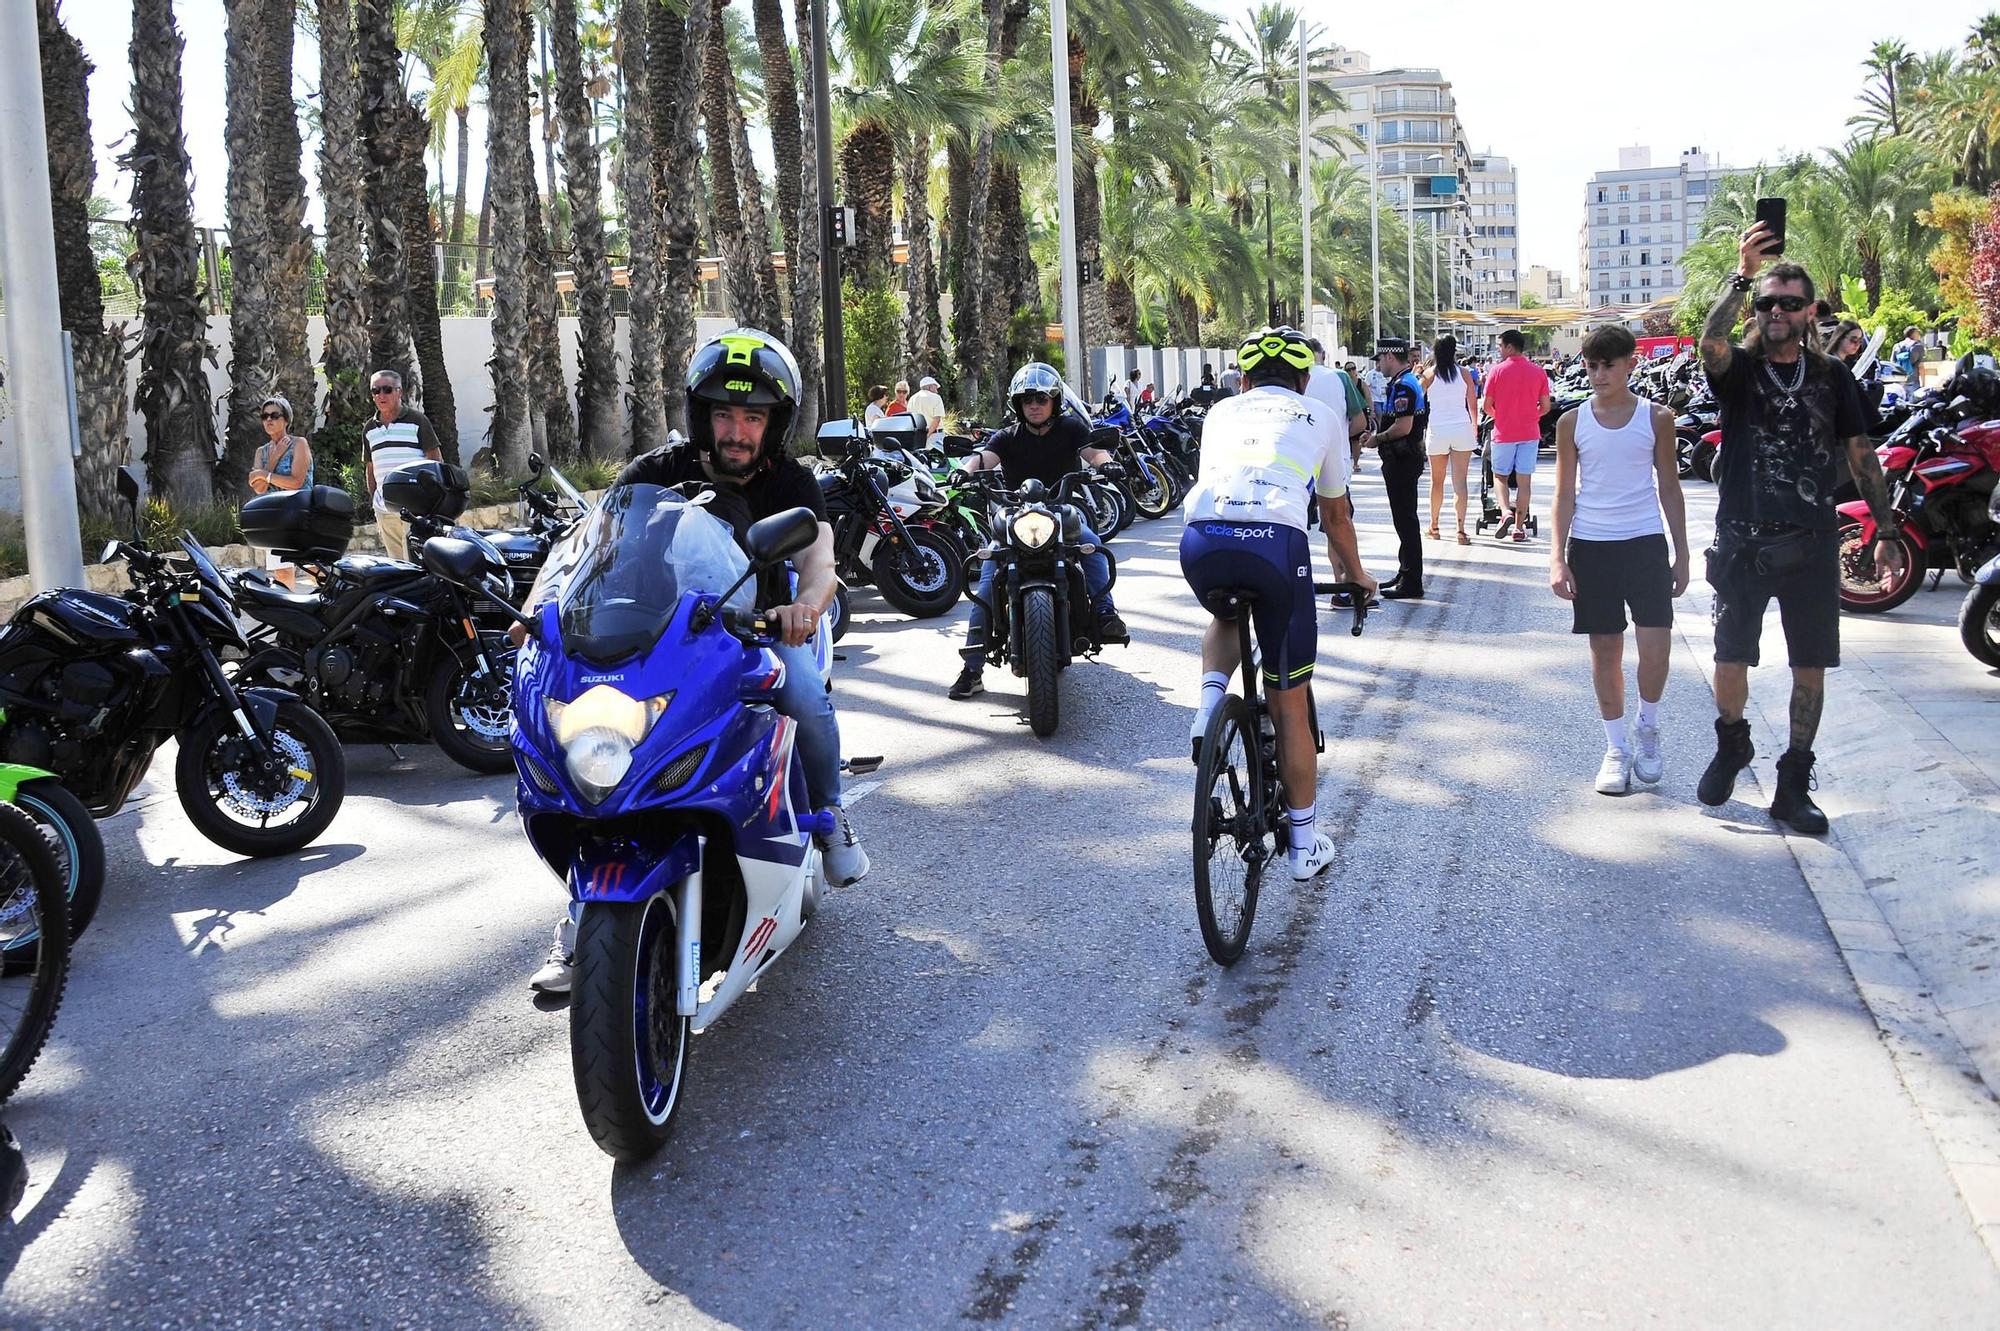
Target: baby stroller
point(1490, 514)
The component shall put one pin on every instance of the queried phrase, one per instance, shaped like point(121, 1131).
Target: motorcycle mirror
point(453, 559)
point(128, 484)
point(782, 535)
point(535, 464)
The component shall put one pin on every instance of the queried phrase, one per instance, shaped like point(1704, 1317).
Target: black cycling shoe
point(1402, 591)
point(1110, 629)
point(1793, 804)
point(971, 682)
point(1733, 752)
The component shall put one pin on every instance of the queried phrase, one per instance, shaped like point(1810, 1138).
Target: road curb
point(1898, 906)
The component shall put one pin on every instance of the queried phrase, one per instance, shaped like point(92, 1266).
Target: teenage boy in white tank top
point(1616, 474)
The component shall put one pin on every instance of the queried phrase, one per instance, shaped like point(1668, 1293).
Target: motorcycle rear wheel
point(628, 1047)
point(1039, 650)
point(78, 847)
point(1872, 596)
point(926, 580)
point(200, 780)
point(1979, 623)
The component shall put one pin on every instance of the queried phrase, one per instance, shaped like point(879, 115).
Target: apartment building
point(1545, 284)
point(1496, 245)
point(1638, 222)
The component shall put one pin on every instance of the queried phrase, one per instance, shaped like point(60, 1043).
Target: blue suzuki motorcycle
point(658, 780)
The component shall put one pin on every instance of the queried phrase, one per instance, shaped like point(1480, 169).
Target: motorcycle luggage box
point(312, 524)
point(428, 489)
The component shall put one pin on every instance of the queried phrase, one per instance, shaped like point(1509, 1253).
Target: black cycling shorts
point(1611, 575)
point(1271, 564)
point(1808, 604)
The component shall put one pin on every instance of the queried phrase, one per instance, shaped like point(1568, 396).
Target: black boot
point(1733, 753)
point(1793, 805)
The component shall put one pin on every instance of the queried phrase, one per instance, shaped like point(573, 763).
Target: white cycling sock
point(1304, 826)
point(1649, 711)
point(1214, 684)
point(1614, 734)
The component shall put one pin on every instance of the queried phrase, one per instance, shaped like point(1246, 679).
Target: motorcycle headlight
point(597, 732)
point(1033, 530)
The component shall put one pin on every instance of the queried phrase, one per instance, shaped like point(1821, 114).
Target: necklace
point(1791, 390)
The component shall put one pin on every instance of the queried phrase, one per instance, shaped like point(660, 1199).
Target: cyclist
point(1049, 439)
point(1265, 455)
point(742, 391)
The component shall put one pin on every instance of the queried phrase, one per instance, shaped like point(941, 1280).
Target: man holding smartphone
point(1787, 414)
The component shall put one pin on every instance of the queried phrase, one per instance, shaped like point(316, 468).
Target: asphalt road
point(1528, 1055)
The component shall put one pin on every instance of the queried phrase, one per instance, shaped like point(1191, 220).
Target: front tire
point(1039, 651)
point(836, 614)
point(470, 717)
point(925, 580)
point(1979, 623)
point(1152, 494)
point(628, 1047)
point(1873, 596)
point(231, 807)
point(78, 847)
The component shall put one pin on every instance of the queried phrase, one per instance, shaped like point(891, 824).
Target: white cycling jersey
point(1264, 455)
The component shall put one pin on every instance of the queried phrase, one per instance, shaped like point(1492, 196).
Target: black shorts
point(1611, 575)
point(1272, 564)
point(1808, 605)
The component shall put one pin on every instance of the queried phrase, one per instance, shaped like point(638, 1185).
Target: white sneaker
point(1614, 774)
point(1647, 763)
point(554, 976)
point(1309, 864)
point(846, 863)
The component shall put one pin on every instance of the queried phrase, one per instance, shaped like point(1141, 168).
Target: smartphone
point(1771, 212)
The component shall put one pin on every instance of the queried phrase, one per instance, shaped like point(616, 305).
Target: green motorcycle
point(72, 836)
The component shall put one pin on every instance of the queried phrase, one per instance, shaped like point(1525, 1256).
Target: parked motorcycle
point(1979, 613)
point(72, 837)
point(888, 526)
point(387, 653)
point(92, 684)
point(1941, 481)
point(659, 782)
point(1042, 618)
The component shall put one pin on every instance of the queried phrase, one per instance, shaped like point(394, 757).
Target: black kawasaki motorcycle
point(92, 684)
point(388, 653)
point(1042, 616)
point(889, 525)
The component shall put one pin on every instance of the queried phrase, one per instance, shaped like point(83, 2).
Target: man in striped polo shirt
point(397, 437)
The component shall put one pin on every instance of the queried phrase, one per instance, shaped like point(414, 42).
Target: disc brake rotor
point(242, 799)
point(484, 711)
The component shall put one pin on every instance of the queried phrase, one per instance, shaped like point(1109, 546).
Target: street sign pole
point(833, 333)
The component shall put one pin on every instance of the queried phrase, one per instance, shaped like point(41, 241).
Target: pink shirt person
point(1514, 392)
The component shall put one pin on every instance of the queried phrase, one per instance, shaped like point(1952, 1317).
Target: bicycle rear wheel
point(1233, 836)
point(33, 904)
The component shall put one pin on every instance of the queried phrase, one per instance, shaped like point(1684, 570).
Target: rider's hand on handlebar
point(958, 476)
point(793, 624)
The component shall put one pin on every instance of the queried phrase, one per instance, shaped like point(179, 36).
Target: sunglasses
point(1789, 304)
point(383, 390)
point(274, 415)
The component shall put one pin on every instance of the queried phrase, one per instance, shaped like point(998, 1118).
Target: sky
point(1558, 89)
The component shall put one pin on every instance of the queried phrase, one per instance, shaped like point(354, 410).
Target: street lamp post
point(833, 333)
point(1305, 191)
point(1075, 353)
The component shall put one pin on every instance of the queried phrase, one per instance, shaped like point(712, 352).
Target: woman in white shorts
point(1454, 428)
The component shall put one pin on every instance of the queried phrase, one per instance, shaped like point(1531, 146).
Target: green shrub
point(873, 320)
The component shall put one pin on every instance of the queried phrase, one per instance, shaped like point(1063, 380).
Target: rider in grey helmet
point(1049, 439)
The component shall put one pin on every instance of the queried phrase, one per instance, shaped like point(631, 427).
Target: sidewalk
point(1909, 773)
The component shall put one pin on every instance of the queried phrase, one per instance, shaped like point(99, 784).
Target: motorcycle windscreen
point(620, 574)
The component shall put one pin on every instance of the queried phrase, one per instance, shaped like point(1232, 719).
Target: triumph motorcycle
point(888, 527)
point(91, 684)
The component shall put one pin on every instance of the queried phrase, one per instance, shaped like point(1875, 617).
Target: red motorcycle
point(1941, 480)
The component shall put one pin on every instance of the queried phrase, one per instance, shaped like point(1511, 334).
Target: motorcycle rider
point(1048, 440)
point(742, 392)
point(1264, 455)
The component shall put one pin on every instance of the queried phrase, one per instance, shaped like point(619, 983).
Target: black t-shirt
point(1781, 451)
point(772, 488)
point(1026, 456)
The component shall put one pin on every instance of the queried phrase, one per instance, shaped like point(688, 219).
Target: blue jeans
point(1096, 578)
point(804, 698)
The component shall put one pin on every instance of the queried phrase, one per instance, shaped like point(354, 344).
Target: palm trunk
point(482, 246)
point(382, 100)
point(166, 263)
point(597, 352)
point(733, 240)
point(97, 354)
point(289, 252)
point(781, 112)
point(955, 269)
point(426, 327)
point(921, 325)
point(646, 403)
point(677, 45)
point(802, 258)
point(509, 198)
point(253, 373)
point(558, 237)
point(551, 419)
point(343, 356)
point(756, 223)
point(868, 167)
point(454, 256)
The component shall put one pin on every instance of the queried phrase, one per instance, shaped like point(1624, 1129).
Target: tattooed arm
point(1870, 481)
point(1717, 351)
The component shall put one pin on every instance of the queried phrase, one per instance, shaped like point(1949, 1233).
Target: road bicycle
point(1240, 824)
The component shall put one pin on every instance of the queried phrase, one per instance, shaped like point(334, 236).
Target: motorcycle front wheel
point(1039, 652)
point(628, 1047)
point(255, 813)
point(836, 614)
point(1979, 623)
point(1861, 588)
point(925, 579)
point(1152, 494)
point(471, 716)
point(79, 850)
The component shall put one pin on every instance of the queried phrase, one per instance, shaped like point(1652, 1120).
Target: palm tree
point(1887, 62)
point(646, 404)
point(738, 248)
point(253, 373)
point(676, 45)
point(453, 53)
point(342, 171)
point(802, 256)
point(1877, 188)
point(554, 425)
point(781, 116)
point(386, 143)
point(509, 193)
point(288, 244)
point(1955, 110)
point(98, 354)
point(597, 354)
point(426, 323)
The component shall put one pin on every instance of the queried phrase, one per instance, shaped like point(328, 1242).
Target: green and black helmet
point(743, 367)
point(1276, 355)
